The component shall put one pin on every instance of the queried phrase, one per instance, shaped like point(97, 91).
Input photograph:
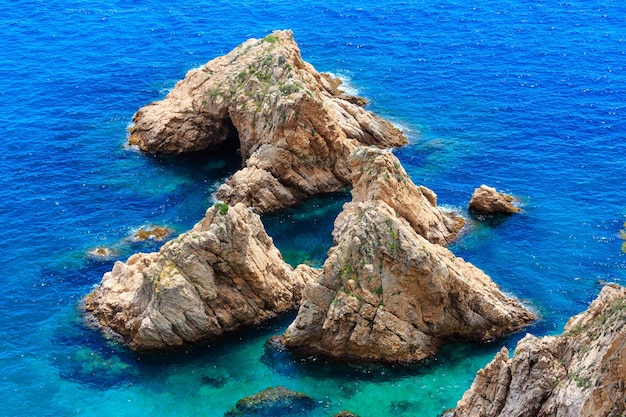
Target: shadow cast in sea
point(490, 220)
point(81, 355)
point(292, 364)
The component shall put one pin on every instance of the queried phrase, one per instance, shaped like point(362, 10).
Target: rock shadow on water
point(217, 161)
point(491, 221)
point(295, 364)
point(82, 356)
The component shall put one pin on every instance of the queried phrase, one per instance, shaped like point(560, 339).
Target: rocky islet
point(487, 200)
point(578, 373)
point(294, 126)
point(389, 291)
point(222, 275)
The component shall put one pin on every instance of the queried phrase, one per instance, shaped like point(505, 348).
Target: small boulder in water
point(486, 200)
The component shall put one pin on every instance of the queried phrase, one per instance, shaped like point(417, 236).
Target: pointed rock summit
point(378, 175)
point(223, 274)
point(295, 127)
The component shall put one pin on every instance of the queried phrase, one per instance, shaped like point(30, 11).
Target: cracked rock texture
point(581, 373)
point(295, 127)
point(223, 274)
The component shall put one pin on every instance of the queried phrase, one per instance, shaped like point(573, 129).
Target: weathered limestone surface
point(581, 373)
point(223, 274)
point(295, 127)
point(486, 200)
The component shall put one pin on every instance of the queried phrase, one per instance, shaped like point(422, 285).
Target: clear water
point(526, 96)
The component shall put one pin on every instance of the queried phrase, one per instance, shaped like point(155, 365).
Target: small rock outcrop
point(378, 175)
point(486, 200)
point(388, 294)
point(295, 127)
point(223, 274)
point(274, 401)
point(581, 373)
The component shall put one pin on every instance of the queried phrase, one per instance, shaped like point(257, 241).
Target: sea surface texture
point(525, 96)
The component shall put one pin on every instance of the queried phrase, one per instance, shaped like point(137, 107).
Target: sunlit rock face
point(389, 294)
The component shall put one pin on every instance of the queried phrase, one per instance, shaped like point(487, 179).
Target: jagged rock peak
point(388, 294)
point(487, 200)
point(223, 274)
point(581, 373)
point(378, 175)
point(295, 127)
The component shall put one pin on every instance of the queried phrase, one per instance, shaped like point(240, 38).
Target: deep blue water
point(526, 96)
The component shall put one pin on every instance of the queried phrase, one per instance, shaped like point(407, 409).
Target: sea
point(527, 96)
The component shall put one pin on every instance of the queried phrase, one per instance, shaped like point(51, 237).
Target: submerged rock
point(103, 253)
point(486, 200)
point(155, 233)
point(223, 274)
point(388, 294)
point(295, 127)
point(345, 413)
point(579, 373)
point(271, 402)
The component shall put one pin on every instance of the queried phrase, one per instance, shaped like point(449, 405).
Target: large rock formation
point(581, 373)
point(486, 200)
point(387, 293)
point(223, 274)
point(295, 127)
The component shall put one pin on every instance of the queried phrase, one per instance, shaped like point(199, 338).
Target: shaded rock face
point(272, 402)
point(378, 175)
point(579, 373)
point(295, 127)
point(486, 200)
point(388, 294)
point(223, 274)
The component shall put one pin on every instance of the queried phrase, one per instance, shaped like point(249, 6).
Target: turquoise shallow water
point(526, 96)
